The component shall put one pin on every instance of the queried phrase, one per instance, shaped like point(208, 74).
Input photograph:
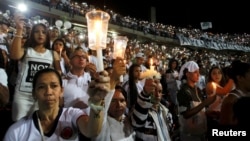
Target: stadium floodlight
point(22, 7)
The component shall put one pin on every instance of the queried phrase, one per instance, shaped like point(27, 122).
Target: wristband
point(97, 108)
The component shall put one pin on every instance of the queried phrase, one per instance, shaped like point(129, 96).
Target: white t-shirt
point(27, 128)
point(75, 89)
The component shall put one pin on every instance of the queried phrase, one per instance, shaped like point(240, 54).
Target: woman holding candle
point(218, 86)
point(133, 86)
point(51, 122)
point(60, 47)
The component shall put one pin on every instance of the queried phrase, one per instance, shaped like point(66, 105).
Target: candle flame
point(151, 62)
point(214, 87)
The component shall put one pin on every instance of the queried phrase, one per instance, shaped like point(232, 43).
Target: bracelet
point(18, 36)
point(97, 108)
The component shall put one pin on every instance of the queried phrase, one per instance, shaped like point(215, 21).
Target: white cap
point(141, 55)
point(192, 66)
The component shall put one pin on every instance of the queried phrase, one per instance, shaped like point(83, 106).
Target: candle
point(89, 58)
point(120, 44)
point(152, 68)
point(214, 88)
point(98, 32)
point(99, 60)
point(60, 52)
point(97, 23)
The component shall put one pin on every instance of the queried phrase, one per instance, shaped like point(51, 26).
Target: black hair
point(44, 71)
point(171, 61)
point(239, 69)
point(209, 77)
point(122, 90)
point(31, 40)
point(133, 92)
point(60, 40)
point(184, 77)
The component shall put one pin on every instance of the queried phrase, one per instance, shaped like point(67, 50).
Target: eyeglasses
point(79, 57)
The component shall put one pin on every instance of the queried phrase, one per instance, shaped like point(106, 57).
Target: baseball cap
point(192, 66)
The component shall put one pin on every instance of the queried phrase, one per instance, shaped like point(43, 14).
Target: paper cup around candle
point(120, 44)
point(97, 25)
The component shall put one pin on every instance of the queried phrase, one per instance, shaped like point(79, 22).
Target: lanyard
point(40, 127)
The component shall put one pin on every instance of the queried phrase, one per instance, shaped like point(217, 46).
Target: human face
point(139, 60)
point(158, 93)
point(4, 27)
point(54, 33)
point(137, 72)
point(216, 75)
point(58, 46)
point(193, 76)
point(79, 60)
point(48, 91)
point(40, 34)
point(173, 65)
point(117, 106)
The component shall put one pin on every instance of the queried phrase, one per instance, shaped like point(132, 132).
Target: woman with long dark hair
point(32, 57)
point(133, 85)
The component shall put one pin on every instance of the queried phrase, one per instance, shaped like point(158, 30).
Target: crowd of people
point(147, 27)
point(50, 89)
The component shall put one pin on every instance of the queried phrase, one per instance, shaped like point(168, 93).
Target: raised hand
point(99, 87)
point(19, 20)
point(150, 86)
point(91, 68)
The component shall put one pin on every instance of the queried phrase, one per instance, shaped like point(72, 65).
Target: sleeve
point(183, 100)
point(10, 136)
point(141, 109)
point(105, 132)
point(16, 131)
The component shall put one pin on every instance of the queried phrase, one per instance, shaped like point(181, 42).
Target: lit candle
point(97, 23)
point(60, 52)
point(152, 68)
point(98, 32)
point(214, 88)
point(120, 44)
point(89, 58)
